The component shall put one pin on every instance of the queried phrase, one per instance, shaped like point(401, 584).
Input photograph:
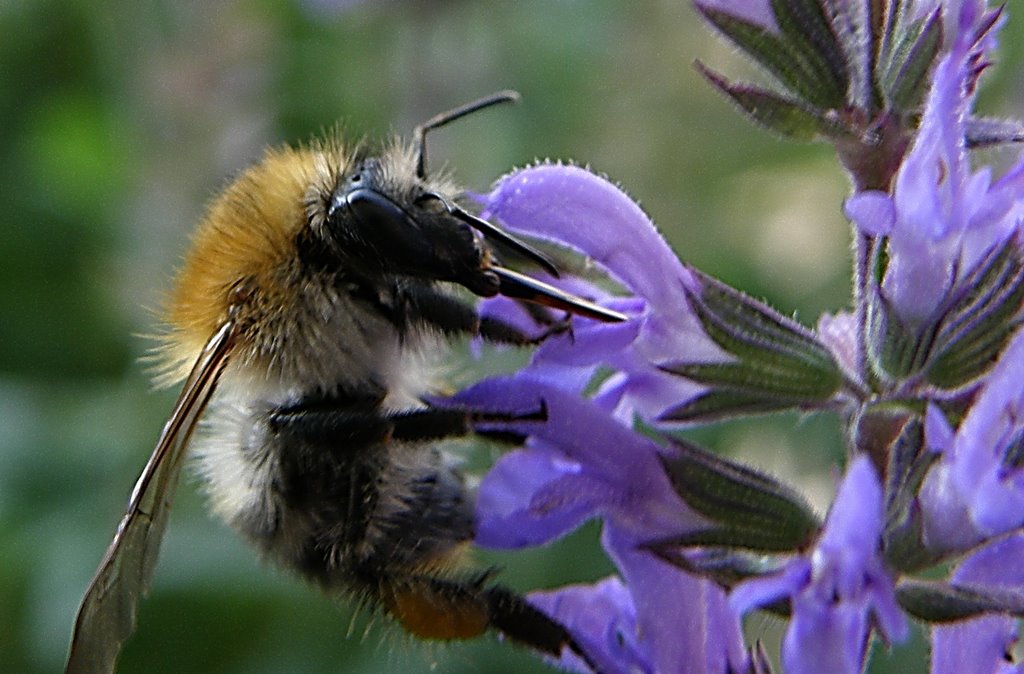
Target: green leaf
point(749, 509)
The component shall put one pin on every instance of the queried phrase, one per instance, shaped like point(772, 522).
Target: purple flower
point(981, 644)
point(838, 590)
point(942, 218)
point(689, 627)
point(976, 490)
point(691, 341)
point(577, 209)
point(565, 476)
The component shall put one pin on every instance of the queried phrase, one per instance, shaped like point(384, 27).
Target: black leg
point(454, 316)
point(360, 426)
point(445, 608)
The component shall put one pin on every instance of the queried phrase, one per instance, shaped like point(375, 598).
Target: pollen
point(437, 614)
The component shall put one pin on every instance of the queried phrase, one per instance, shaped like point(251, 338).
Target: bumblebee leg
point(355, 422)
point(454, 316)
point(445, 608)
point(433, 608)
point(514, 617)
point(361, 428)
point(500, 332)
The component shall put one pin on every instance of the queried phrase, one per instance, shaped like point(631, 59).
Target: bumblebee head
point(383, 219)
point(386, 216)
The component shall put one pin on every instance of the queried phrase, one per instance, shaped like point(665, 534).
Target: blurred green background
point(120, 119)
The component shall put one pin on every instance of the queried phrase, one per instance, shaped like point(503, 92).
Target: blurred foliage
point(120, 119)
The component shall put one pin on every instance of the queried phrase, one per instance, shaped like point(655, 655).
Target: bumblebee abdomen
point(323, 486)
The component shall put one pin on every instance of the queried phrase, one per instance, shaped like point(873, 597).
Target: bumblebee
point(316, 293)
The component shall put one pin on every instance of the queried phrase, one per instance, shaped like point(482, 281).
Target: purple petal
point(766, 590)
point(572, 206)
point(685, 624)
point(608, 468)
point(602, 619)
point(854, 525)
point(839, 333)
point(938, 433)
point(645, 390)
point(532, 497)
point(981, 644)
point(970, 494)
point(873, 212)
point(578, 209)
point(821, 638)
point(849, 550)
point(565, 476)
point(999, 564)
point(589, 344)
point(946, 217)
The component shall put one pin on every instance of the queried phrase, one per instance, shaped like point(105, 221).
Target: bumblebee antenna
point(419, 134)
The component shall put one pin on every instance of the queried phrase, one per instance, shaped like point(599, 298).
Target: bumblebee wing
point(106, 617)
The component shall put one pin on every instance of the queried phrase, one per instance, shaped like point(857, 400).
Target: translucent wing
point(106, 617)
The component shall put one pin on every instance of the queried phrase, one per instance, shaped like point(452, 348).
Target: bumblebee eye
point(491, 230)
point(355, 183)
point(433, 203)
point(375, 229)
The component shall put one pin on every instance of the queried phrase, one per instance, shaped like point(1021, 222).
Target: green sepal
point(760, 661)
point(892, 346)
point(908, 465)
point(965, 334)
point(1013, 457)
point(904, 68)
point(776, 113)
point(990, 132)
point(745, 327)
point(939, 602)
point(804, 26)
point(778, 56)
point(747, 508)
point(717, 405)
point(725, 566)
point(978, 319)
point(775, 377)
point(778, 363)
